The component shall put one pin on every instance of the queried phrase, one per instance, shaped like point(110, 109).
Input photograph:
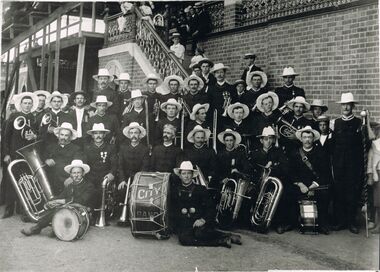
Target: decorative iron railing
point(120, 28)
point(216, 12)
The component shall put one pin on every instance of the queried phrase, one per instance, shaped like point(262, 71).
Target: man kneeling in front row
point(77, 190)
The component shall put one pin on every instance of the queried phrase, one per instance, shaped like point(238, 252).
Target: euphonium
point(30, 181)
point(101, 220)
point(267, 201)
point(286, 129)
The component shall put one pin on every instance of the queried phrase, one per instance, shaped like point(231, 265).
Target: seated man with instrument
point(78, 191)
point(193, 212)
point(311, 172)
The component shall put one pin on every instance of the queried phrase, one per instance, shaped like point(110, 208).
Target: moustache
point(133, 138)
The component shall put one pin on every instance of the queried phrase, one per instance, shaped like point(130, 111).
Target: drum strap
point(306, 161)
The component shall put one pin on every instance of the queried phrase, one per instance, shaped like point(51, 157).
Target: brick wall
point(334, 52)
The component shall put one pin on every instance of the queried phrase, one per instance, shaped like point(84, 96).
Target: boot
point(31, 231)
point(225, 242)
point(236, 239)
point(9, 211)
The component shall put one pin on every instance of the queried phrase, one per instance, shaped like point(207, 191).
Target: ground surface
point(115, 249)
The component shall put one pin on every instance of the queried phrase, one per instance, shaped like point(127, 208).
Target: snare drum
point(71, 222)
point(148, 204)
point(308, 216)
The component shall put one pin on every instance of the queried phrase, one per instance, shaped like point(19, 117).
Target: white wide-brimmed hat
point(230, 131)
point(154, 77)
point(173, 77)
point(68, 126)
point(298, 99)
point(136, 94)
point(101, 99)
point(263, 76)
point(42, 92)
point(347, 98)
point(219, 66)
point(319, 103)
point(198, 128)
point(171, 101)
point(65, 99)
point(308, 129)
point(231, 108)
point(77, 163)
point(186, 166)
point(197, 107)
point(175, 35)
point(194, 77)
point(263, 96)
point(194, 65)
point(267, 131)
point(289, 71)
point(134, 125)
point(206, 60)
point(122, 77)
point(240, 81)
point(249, 56)
point(103, 72)
point(18, 97)
point(98, 127)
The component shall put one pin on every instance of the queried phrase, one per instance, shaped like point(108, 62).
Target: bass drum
point(149, 205)
point(71, 222)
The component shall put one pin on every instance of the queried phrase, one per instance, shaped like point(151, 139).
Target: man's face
point(64, 136)
point(197, 71)
point(26, 104)
point(199, 138)
point(219, 75)
point(193, 85)
point(240, 88)
point(288, 80)
point(347, 109)
point(152, 84)
point(76, 174)
point(103, 82)
point(298, 109)
point(317, 111)
point(123, 84)
point(323, 127)
point(256, 81)
point(41, 102)
point(249, 61)
point(173, 86)
point(205, 67)
point(229, 141)
point(167, 135)
point(98, 136)
point(307, 139)
point(267, 104)
point(134, 135)
point(267, 141)
point(175, 40)
point(138, 102)
point(238, 114)
point(101, 108)
point(171, 111)
point(201, 115)
point(186, 176)
point(79, 100)
point(56, 103)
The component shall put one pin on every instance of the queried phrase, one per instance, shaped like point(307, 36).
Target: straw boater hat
point(299, 99)
point(154, 77)
point(171, 101)
point(194, 77)
point(219, 66)
point(240, 81)
point(198, 128)
point(101, 99)
point(231, 108)
point(347, 98)
point(205, 60)
point(175, 35)
point(77, 163)
point(289, 71)
point(134, 125)
point(323, 118)
point(68, 126)
point(173, 77)
point(65, 99)
point(249, 56)
point(186, 166)
point(136, 94)
point(267, 132)
point(319, 103)
point(42, 92)
point(18, 97)
point(122, 77)
point(308, 129)
point(257, 73)
point(264, 96)
point(98, 127)
point(194, 65)
point(103, 72)
point(197, 107)
point(230, 131)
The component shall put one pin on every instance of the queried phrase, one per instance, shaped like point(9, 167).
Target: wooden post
point(80, 65)
point(49, 80)
point(93, 17)
point(80, 19)
point(7, 70)
point(31, 74)
point(17, 51)
point(67, 24)
point(43, 53)
point(57, 51)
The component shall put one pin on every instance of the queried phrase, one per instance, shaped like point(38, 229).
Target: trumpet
point(226, 103)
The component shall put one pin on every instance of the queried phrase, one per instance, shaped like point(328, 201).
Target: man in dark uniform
point(241, 94)
point(195, 85)
point(165, 156)
point(153, 98)
point(138, 111)
point(198, 116)
point(103, 79)
point(202, 24)
point(266, 104)
point(193, 212)
point(43, 97)
point(14, 139)
point(79, 191)
point(288, 91)
point(238, 114)
point(59, 154)
point(174, 84)
point(207, 77)
point(124, 93)
point(172, 109)
point(347, 159)
point(317, 108)
point(256, 82)
point(251, 67)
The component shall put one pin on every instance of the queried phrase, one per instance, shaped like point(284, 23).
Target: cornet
point(156, 110)
point(226, 103)
point(47, 119)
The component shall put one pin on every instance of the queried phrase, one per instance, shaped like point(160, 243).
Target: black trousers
point(201, 236)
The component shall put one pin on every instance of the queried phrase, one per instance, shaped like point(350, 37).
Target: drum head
point(66, 224)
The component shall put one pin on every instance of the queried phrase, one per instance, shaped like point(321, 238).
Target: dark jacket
point(165, 158)
point(83, 193)
point(288, 93)
point(132, 159)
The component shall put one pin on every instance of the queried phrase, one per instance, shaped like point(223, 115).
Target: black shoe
point(236, 239)
point(339, 227)
point(225, 242)
point(8, 212)
point(30, 231)
point(280, 229)
point(354, 229)
point(324, 230)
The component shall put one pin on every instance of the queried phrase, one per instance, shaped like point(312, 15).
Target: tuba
point(267, 201)
point(30, 181)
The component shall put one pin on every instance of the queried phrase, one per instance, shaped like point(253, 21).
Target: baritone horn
point(286, 129)
point(30, 181)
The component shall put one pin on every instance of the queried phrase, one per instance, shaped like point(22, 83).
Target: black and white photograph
point(235, 135)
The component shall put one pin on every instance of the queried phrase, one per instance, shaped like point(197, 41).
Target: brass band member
point(241, 93)
point(238, 113)
point(171, 108)
point(317, 108)
point(152, 81)
point(80, 190)
point(43, 96)
point(251, 67)
point(124, 94)
point(137, 113)
point(173, 84)
point(196, 70)
point(198, 116)
point(195, 96)
point(288, 91)
point(25, 103)
point(207, 77)
point(267, 105)
point(325, 141)
point(193, 212)
point(103, 79)
point(256, 82)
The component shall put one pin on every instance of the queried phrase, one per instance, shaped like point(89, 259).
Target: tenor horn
point(30, 182)
point(20, 123)
point(286, 129)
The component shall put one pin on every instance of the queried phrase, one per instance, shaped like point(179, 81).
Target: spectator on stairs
point(177, 48)
point(199, 54)
point(147, 12)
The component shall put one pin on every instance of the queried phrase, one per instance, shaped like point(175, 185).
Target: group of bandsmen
point(118, 133)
